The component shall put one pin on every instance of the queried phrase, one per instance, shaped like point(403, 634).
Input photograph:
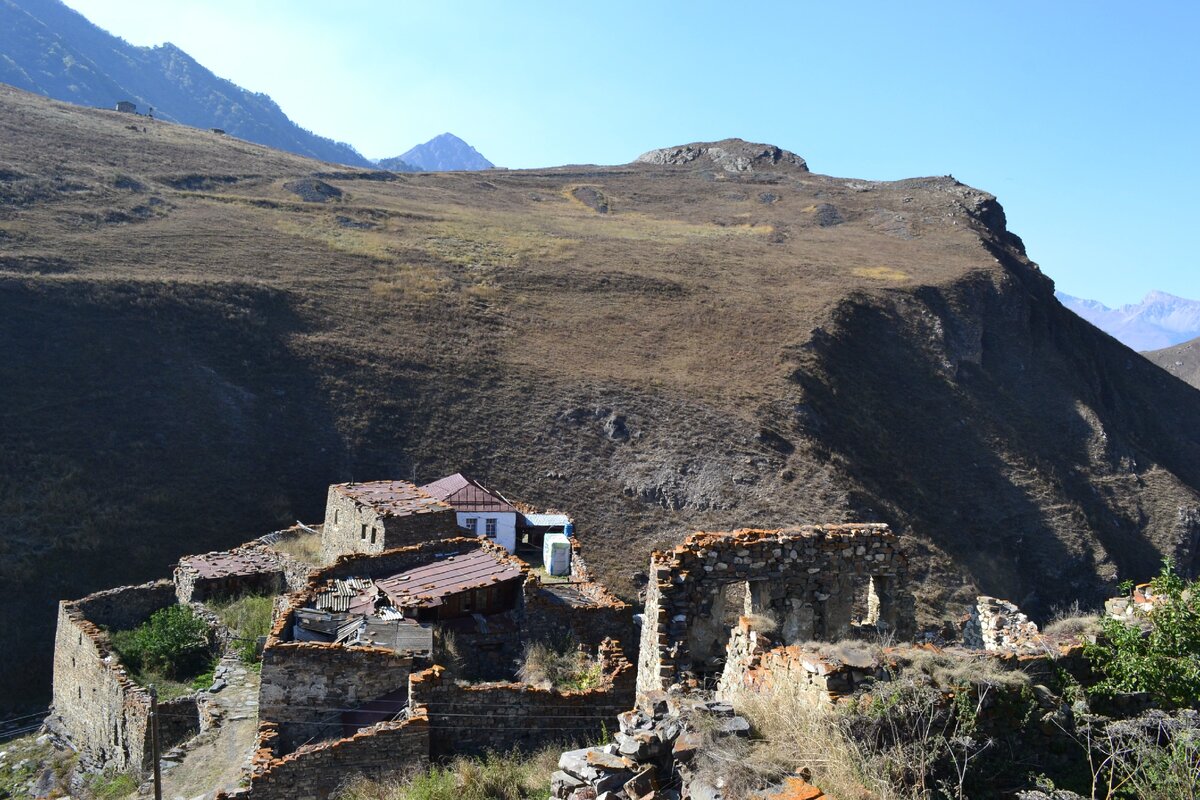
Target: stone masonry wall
point(501, 716)
point(96, 706)
point(806, 578)
point(306, 686)
point(317, 771)
point(345, 517)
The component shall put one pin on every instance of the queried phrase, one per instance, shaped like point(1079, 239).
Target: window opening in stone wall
point(335, 516)
point(362, 534)
point(489, 527)
point(861, 605)
point(372, 536)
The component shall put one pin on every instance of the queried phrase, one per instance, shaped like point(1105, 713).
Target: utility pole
point(154, 742)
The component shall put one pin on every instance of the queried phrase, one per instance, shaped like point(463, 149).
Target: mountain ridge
point(50, 49)
point(1159, 320)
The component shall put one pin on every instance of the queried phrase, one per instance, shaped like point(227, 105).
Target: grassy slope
point(191, 352)
point(1182, 360)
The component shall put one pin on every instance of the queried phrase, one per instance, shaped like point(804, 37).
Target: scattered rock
point(312, 190)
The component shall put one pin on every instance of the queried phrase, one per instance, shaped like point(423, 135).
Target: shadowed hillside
point(200, 333)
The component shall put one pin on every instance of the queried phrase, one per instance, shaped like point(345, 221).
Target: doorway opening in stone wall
point(709, 630)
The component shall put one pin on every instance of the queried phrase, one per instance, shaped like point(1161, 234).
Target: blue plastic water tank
point(569, 529)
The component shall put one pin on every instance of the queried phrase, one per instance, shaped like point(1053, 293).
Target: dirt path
point(218, 759)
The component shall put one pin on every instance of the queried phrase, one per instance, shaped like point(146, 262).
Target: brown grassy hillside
point(1181, 360)
point(192, 350)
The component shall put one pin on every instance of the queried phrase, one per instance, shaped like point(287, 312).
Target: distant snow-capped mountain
point(1159, 321)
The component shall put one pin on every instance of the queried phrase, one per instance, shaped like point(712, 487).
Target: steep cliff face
point(194, 349)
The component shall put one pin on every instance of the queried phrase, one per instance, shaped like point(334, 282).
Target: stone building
point(382, 515)
point(816, 583)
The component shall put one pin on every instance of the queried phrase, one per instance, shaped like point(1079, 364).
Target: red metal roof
point(467, 495)
point(221, 565)
point(393, 498)
point(427, 586)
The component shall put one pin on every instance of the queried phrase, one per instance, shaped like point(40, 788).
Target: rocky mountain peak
point(731, 155)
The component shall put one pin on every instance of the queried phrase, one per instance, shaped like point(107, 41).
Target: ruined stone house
point(815, 582)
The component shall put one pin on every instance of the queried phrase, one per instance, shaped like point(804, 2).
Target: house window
point(372, 536)
point(472, 524)
point(362, 534)
point(490, 527)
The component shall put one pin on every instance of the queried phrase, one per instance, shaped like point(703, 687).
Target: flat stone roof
point(393, 498)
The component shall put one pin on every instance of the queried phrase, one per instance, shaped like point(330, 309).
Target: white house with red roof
point(480, 510)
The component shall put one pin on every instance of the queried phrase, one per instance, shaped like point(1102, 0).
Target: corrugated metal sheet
point(547, 520)
point(393, 498)
point(467, 495)
point(425, 587)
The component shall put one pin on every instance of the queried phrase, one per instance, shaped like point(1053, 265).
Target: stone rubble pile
point(999, 625)
point(653, 754)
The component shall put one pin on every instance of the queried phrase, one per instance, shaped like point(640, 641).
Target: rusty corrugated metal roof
point(221, 565)
point(467, 495)
point(427, 586)
point(393, 498)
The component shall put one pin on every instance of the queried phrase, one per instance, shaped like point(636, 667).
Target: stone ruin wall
point(808, 579)
point(756, 662)
point(317, 771)
point(475, 718)
point(344, 536)
point(96, 706)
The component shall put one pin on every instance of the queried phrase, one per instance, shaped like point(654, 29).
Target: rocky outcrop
point(731, 155)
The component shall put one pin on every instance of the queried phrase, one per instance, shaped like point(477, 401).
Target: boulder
point(642, 784)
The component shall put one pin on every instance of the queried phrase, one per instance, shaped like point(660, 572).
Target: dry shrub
point(564, 667)
point(495, 776)
point(794, 730)
point(948, 671)
point(305, 547)
point(1072, 622)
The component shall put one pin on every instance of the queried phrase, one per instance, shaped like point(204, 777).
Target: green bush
point(249, 618)
point(1162, 657)
point(173, 643)
point(110, 785)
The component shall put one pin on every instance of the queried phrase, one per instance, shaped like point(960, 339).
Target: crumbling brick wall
point(316, 771)
point(807, 578)
point(355, 527)
point(96, 706)
point(475, 718)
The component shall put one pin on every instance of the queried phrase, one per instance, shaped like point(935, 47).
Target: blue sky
point(1082, 117)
